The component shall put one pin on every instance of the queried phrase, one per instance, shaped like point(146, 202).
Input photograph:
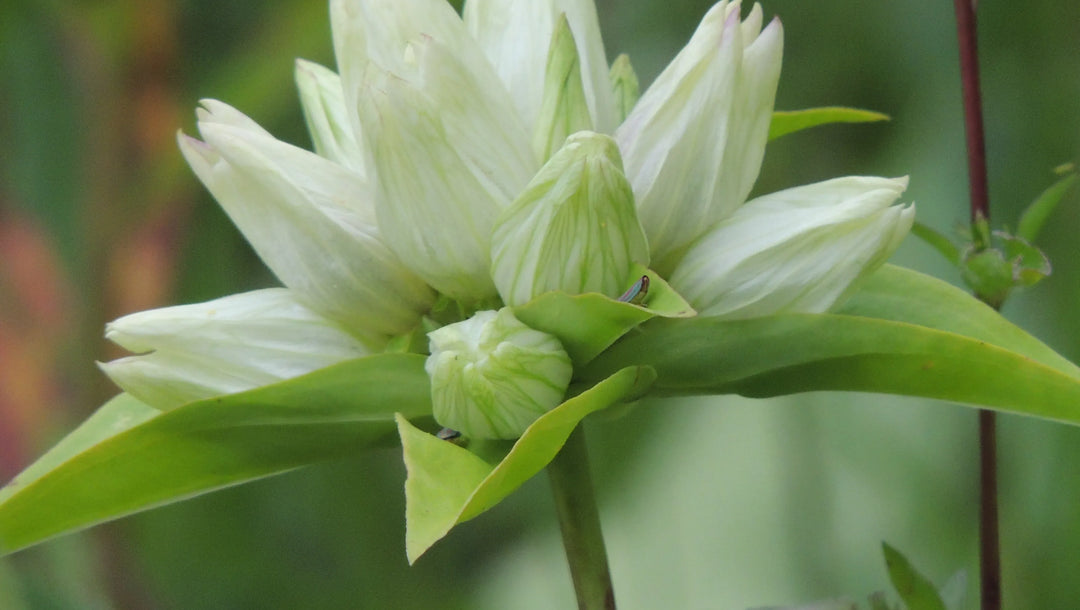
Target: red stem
point(989, 545)
point(973, 119)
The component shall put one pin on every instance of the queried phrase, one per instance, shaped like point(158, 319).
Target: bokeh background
point(707, 503)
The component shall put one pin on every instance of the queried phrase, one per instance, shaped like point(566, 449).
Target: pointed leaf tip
point(789, 121)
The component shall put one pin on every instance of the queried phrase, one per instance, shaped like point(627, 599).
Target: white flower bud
point(492, 376)
point(516, 36)
point(799, 250)
point(224, 346)
point(694, 142)
point(573, 229)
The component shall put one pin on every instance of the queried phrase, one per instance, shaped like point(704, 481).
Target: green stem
point(579, 519)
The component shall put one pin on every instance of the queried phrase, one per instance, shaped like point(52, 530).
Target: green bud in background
point(574, 228)
point(1004, 263)
point(492, 376)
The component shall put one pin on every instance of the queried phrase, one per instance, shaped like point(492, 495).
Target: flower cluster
point(486, 159)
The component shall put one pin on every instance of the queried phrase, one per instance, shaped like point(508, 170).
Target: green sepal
point(789, 121)
point(129, 457)
point(448, 484)
point(588, 323)
point(901, 333)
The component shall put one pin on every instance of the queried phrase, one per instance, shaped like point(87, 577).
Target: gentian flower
point(483, 161)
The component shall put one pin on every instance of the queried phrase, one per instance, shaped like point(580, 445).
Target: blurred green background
point(717, 503)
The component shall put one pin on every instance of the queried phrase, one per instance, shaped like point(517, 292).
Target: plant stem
point(989, 546)
point(990, 550)
point(579, 520)
point(973, 119)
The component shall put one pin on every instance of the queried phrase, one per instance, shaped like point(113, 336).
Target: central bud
point(492, 376)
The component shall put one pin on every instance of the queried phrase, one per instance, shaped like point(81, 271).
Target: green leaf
point(790, 121)
point(902, 295)
point(121, 413)
point(587, 324)
point(1034, 217)
point(127, 458)
point(916, 591)
point(902, 333)
point(938, 241)
point(448, 484)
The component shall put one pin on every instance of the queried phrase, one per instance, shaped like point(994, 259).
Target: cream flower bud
point(694, 142)
point(799, 250)
point(448, 151)
point(228, 345)
point(515, 36)
point(310, 220)
point(573, 229)
point(492, 376)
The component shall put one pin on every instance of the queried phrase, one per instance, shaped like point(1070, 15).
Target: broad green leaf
point(448, 484)
point(789, 121)
point(1034, 217)
point(588, 323)
point(119, 414)
point(902, 295)
point(917, 592)
point(125, 459)
point(902, 333)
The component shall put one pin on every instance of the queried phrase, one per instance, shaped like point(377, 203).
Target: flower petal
point(573, 229)
point(436, 214)
point(515, 36)
point(224, 346)
point(312, 223)
point(694, 142)
point(565, 110)
point(334, 135)
point(798, 250)
point(625, 87)
point(425, 44)
point(443, 178)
